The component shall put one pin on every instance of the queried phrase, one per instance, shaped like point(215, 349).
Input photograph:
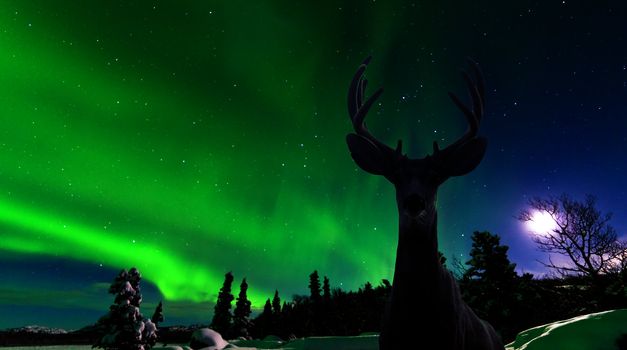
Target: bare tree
point(581, 233)
point(619, 263)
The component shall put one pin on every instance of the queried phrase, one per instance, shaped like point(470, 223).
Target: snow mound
point(207, 339)
point(272, 338)
point(598, 331)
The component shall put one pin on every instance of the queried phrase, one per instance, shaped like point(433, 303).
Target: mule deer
point(422, 289)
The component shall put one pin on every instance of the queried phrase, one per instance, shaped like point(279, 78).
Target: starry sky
point(192, 138)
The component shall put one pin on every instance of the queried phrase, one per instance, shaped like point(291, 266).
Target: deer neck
point(418, 272)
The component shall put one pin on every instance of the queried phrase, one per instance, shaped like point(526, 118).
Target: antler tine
point(361, 91)
point(358, 119)
point(358, 108)
point(357, 88)
point(473, 115)
point(477, 103)
point(353, 103)
point(473, 123)
point(474, 66)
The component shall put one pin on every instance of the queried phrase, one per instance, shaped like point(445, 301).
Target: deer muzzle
point(414, 205)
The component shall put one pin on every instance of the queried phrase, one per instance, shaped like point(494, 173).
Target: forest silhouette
point(488, 282)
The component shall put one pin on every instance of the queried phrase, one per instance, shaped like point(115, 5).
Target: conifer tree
point(276, 303)
point(222, 318)
point(314, 286)
point(124, 326)
point(489, 284)
point(326, 290)
point(489, 260)
point(286, 308)
point(157, 317)
point(277, 318)
point(267, 309)
point(264, 322)
point(442, 259)
point(241, 315)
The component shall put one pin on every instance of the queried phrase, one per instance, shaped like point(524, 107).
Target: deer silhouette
point(425, 303)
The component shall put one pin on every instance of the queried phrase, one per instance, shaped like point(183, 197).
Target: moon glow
point(541, 223)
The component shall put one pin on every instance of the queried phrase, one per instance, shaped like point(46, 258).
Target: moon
point(541, 222)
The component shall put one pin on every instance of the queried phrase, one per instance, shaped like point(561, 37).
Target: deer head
point(416, 180)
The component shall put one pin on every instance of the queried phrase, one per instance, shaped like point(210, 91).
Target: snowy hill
point(597, 331)
point(36, 329)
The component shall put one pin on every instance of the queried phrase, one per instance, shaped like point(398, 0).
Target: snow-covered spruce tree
point(125, 327)
point(241, 315)
point(157, 317)
point(222, 318)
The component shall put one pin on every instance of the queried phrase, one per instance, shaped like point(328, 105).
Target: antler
point(357, 108)
point(377, 158)
point(473, 115)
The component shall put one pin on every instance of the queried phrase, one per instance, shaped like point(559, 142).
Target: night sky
point(192, 138)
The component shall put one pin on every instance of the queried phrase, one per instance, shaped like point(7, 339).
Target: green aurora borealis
point(190, 139)
point(187, 141)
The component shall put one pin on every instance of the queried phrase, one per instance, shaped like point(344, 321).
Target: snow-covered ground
point(597, 331)
point(364, 342)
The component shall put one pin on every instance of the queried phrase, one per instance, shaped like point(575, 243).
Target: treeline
point(595, 281)
point(323, 311)
point(488, 282)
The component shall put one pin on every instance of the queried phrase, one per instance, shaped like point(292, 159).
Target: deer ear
point(466, 158)
point(366, 154)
